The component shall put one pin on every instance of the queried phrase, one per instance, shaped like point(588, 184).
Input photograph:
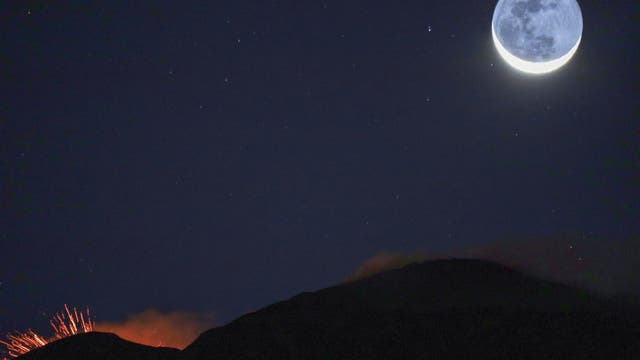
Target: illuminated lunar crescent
point(537, 36)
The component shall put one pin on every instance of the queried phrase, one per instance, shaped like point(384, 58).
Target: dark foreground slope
point(99, 346)
point(448, 309)
point(436, 310)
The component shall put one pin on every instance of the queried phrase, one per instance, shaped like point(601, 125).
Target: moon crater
point(537, 36)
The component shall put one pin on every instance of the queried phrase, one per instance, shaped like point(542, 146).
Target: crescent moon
point(529, 66)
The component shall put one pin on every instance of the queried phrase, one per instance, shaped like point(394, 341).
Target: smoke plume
point(607, 266)
point(384, 262)
point(152, 327)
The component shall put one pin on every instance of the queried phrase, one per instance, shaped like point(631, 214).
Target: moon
point(537, 36)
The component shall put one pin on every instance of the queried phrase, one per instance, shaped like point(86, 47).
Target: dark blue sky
point(219, 156)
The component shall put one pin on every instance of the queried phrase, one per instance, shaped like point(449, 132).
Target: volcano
point(443, 309)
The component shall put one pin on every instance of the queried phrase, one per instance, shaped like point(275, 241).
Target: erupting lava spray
point(64, 323)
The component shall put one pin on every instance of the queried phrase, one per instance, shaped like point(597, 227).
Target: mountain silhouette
point(99, 346)
point(443, 309)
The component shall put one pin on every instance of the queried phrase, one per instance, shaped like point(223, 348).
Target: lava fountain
point(64, 323)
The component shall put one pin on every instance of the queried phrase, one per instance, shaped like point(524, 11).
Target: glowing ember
point(64, 323)
point(22, 343)
point(73, 323)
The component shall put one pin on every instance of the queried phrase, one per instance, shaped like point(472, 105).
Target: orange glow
point(64, 324)
point(154, 328)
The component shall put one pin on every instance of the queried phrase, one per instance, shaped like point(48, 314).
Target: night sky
point(218, 156)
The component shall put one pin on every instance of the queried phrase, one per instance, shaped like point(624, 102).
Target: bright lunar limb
point(537, 36)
